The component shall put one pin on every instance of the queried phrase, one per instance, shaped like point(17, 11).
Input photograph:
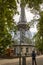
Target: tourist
point(34, 58)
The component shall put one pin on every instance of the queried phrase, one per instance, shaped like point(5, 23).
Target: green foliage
point(40, 24)
point(7, 9)
point(34, 4)
point(39, 35)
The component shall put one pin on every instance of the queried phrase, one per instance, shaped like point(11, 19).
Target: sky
point(29, 17)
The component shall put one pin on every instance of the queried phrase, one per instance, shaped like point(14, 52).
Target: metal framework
point(22, 27)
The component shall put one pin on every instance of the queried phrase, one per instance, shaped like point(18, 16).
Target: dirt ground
point(14, 61)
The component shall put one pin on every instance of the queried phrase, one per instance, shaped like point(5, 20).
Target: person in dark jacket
point(34, 58)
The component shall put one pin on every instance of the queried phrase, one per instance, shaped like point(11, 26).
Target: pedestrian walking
point(34, 58)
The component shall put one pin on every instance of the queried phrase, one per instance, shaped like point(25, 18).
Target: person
point(34, 58)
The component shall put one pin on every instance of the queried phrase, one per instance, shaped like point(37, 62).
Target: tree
point(7, 9)
point(39, 35)
point(34, 4)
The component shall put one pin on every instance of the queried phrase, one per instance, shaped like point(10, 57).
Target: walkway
point(15, 61)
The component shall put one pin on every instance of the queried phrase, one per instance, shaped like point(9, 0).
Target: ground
point(16, 61)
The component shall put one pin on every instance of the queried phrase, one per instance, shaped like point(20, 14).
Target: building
point(22, 47)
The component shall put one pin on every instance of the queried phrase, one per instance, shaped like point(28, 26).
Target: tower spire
point(22, 16)
point(22, 24)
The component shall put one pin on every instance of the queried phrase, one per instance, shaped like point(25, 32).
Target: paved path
point(15, 61)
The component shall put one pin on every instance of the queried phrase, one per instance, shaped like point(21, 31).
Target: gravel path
point(16, 61)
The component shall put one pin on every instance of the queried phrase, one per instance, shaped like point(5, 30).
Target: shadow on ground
point(10, 64)
point(15, 63)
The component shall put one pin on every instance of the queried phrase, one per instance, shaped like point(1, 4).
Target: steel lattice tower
point(22, 25)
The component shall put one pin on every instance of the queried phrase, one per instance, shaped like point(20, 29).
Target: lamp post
point(20, 49)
